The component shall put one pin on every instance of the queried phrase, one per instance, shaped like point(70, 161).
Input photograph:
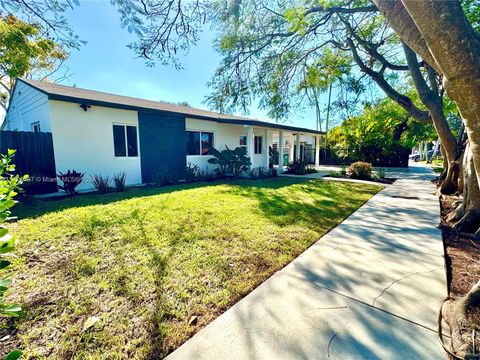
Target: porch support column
point(317, 150)
point(250, 143)
point(291, 154)
point(297, 150)
point(280, 151)
point(265, 150)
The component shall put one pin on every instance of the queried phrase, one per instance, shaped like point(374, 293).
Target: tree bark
point(461, 173)
point(402, 100)
point(403, 24)
point(455, 312)
point(432, 100)
point(467, 215)
point(328, 115)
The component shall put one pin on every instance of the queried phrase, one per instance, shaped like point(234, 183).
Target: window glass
point(192, 139)
point(258, 144)
point(119, 140)
point(243, 140)
point(207, 142)
point(132, 141)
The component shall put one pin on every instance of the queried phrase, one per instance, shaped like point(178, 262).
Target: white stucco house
point(101, 133)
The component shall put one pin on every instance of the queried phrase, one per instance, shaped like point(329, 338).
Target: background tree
point(380, 132)
point(48, 15)
point(25, 53)
point(320, 78)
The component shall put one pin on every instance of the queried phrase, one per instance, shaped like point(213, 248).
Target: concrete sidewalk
point(369, 289)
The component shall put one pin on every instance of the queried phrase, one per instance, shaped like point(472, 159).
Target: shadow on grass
point(326, 206)
point(32, 208)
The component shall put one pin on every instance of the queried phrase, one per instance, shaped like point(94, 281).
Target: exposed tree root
point(455, 313)
point(449, 185)
point(456, 214)
point(469, 222)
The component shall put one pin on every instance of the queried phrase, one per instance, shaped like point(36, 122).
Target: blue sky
point(106, 64)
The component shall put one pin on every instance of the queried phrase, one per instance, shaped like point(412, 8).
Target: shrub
point(191, 172)
point(9, 186)
point(380, 173)
point(119, 181)
point(343, 171)
point(260, 172)
point(208, 175)
point(360, 170)
point(230, 161)
point(71, 179)
point(298, 167)
point(334, 173)
point(101, 183)
point(163, 176)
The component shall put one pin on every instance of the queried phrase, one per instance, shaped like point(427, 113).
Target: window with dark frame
point(125, 140)
point(132, 146)
point(207, 142)
point(198, 142)
point(257, 144)
point(243, 140)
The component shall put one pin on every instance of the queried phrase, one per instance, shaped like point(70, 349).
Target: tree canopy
point(25, 52)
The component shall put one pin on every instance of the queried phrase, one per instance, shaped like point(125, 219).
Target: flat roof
point(98, 98)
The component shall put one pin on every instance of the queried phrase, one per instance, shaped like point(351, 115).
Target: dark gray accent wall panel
point(162, 144)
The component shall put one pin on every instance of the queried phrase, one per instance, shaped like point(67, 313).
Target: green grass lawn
point(436, 165)
point(122, 275)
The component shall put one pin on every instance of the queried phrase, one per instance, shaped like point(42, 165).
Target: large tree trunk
point(455, 47)
point(403, 24)
point(429, 95)
point(467, 215)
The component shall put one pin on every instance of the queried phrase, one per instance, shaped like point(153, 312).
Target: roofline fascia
point(258, 123)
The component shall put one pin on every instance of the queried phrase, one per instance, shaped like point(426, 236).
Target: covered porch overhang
point(281, 146)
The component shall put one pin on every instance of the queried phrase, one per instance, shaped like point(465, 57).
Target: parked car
point(416, 156)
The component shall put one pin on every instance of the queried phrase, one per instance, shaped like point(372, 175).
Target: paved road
point(369, 289)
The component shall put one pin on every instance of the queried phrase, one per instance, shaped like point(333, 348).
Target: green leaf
point(6, 249)
point(14, 355)
point(6, 204)
point(3, 232)
point(4, 264)
point(5, 282)
point(12, 309)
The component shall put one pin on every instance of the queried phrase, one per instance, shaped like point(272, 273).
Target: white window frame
point(202, 131)
point(35, 125)
point(126, 141)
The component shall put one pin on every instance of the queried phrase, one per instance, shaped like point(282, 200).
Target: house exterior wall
point(28, 106)
point(224, 134)
point(162, 144)
point(83, 141)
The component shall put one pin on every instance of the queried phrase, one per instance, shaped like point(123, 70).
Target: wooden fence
point(34, 157)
